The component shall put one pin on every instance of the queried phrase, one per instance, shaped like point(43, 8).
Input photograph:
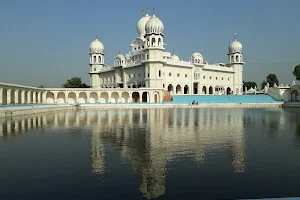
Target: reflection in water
point(151, 138)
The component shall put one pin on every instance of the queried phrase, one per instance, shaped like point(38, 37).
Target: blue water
point(223, 99)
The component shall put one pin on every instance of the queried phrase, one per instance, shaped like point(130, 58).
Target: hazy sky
point(47, 42)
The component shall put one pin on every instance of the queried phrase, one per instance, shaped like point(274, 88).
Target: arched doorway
point(145, 96)
point(49, 97)
point(204, 90)
point(114, 97)
point(104, 97)
point(61, 98)
point(93, 97)
point(178, 89)
point(210, 90)
point(186, 89)
point(156, 97)
point(125, 97)
point(71, 97)
point(135, 97)
point(170, 88)
point(82, 97)
point(294, 95)
point(4, 96)
point(228, 91)
point(195, 88)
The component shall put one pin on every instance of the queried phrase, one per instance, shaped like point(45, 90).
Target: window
point(222, 78)
point(147, 56)
point(170, 74)
point(210, 77)
point(228, 79)
point(99, 59)
point(95, 59)
point(185, 75)
point(216, 78)
point(178, 75)
point(203, 77)
point(159, 73)
point(94, 69)
point(148, 75)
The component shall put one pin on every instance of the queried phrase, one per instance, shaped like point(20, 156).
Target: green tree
point(41, 86)
point(296, 72)
point(263, 84)
point(272, 79)
point(249, 84)
point(75, 82)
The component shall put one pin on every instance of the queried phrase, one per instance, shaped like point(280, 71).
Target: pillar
point(33, 97)
point(28, 97)
point(1, 96)
point(39, 97)
point(22, 96)
point(8, 96)
point(16, 97)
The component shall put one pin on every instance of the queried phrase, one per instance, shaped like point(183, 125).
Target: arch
point(114, 97)
point(145, 96)
point(228, 90)
point(93, 97)
point(99, 59)
point(232, 58)
point(294, 95)
point(104, 97)
point(71, 97)
point(61, 98)
point(49, 97)
point(159, 42)
point(178, 89)
point(82, 97)
point(95, 59)
point(156, 97)
point(170, 88)
point(135, 97)
point(210, 90)
point(125, 97)
point(153, 42)
point(12, 96)
point(237, 58)
point(204, 90)
point(186, 89)
point(195, 88)
point(4, 96)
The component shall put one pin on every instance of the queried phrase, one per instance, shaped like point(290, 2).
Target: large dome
point(141, 25)
point(235, 46)
point(175, 57)
point(96, 46)
point(154, 25)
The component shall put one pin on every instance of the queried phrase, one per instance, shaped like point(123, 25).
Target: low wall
point(18, 112)
point(291, 105)
point(9, 113)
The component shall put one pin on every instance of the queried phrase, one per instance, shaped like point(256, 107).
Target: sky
point(47, 42)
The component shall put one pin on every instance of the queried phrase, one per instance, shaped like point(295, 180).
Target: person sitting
point(193, 102)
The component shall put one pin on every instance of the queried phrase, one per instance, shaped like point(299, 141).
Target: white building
point(149, 65)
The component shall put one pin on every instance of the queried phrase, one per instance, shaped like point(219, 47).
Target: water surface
point(224, 153)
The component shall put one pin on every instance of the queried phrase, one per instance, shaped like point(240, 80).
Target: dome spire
point(234, 36)
point(143, 12)
point(153, 12)
point(147, 11)
point(97, 36)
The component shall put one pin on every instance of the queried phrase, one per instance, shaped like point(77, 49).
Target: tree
point(263, 84)
point(296, 72)
point(249, 84)
point(75, 82)
point(272, 79)
point(41, 86)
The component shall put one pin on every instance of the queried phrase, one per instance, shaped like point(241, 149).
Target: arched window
point(237, 59)
point(159, 41)
point(99, 59)
point(232, 59)
point(153, 42)
point(159, 73)
point(148, 43)
point(95, 59)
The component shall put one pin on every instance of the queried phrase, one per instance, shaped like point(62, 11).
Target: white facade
point(149, 65)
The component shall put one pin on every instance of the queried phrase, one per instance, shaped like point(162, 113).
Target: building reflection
point(148, 138)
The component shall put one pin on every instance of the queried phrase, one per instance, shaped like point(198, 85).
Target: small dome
point(197, 54)
point(96, 46)
point(175, 57)
point(235, 46)
point(154, 25)
point(120, 56)
point(141, 25)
